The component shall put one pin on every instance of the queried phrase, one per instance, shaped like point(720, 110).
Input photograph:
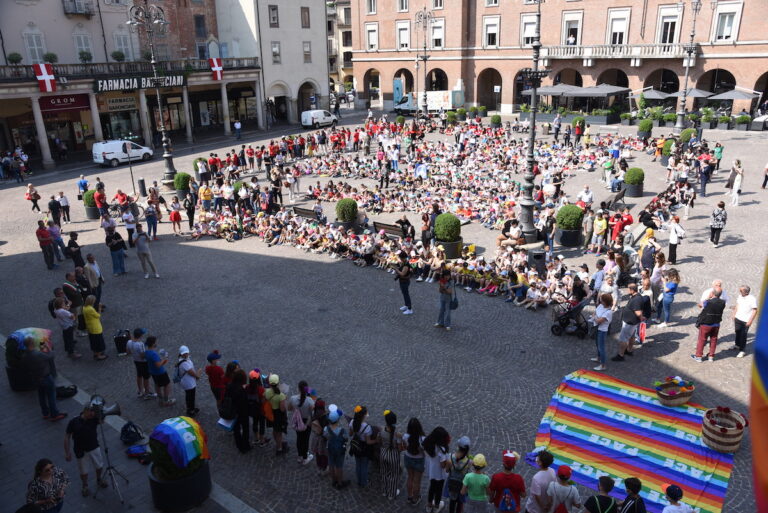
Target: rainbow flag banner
point(759, 405)
point(599, 425)
point(184, 439)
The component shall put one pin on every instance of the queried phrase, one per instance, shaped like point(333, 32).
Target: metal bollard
point(142, 188)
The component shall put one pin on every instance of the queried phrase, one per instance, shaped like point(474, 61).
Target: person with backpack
point(255, 393)
point(435, 459)
point(136, 348)
point(317, 442)
point(414, 459)
point(360, 446)
point(391, 443)
point(633, 503)
point(563, 493)
point(602, 502)
point(475, 486)
point(458, 465)
point(507, 487)
point(187, 376)
point(302, 405)
point(276, 399)
point(336, 436)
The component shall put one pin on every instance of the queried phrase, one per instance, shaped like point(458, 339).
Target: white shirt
point(539, 486)
point(682, 508)
point(188, 381)
point(129, 220)
point(63, 201)
point(607, 314)
point(238, 125)
point(705, 295)
point(434, 465)
point(745, 305)
point(586, 196)
point(676, 231)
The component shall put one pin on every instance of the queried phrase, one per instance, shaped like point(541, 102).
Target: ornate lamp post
point(424, 18)
point(690, 49)
point(152, 18)
point(534, 76)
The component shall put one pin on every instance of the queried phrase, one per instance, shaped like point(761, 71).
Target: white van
point(317, 118)
point(112, 153)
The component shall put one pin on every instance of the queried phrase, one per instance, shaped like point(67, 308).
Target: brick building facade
point(193, 33)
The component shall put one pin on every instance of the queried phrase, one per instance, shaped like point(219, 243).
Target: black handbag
point(454, 300)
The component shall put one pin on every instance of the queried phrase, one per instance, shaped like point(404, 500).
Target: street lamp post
point(424, 18)
point(690, 49)
point(152, 18)
point(534, 76)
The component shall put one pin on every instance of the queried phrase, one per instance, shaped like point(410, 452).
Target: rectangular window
point(725, 26)
point(35, 47)
point(200, 30)
point(371, 5)
point(572, 27)
point(372, 36)
point(346, 38)
point(437, 4)
point(202, 50)
point(403, 35)
point(491, 3)
point(274, 20)
point(82, 44)
point(329, 26)
point(275, 52)
point(668, 29)
point(224, 50)
point(726, 20)
point(123, 44)
point(438, 34)
point(305, 17)
point(618, 26)
point(402, 5)
point(347, 16)
point(491, 32)
point(307, 49)
point(527, 29)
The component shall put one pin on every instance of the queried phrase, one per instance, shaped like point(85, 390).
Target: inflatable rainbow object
point(184, 439)
point(759, 405)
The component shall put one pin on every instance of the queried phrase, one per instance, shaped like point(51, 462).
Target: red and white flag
point(217, 70)
point(45, 78)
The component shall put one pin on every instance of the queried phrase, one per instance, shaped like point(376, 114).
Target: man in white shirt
point(716, 285)
point(587, 196)
point(743, 315)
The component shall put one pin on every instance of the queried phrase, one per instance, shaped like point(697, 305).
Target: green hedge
point(634, 176)
point(669, 118)
point(645, 125)
point(743, 120)
point(569, 217)
point(667, 149)
point(686, 135)
point(400, 120)
point(346, 210)
point(447, 228)
point(579, 120)
point(88, 200)
point(451, 117)
point(496, 119)
point(461, 112)
point(181, 181)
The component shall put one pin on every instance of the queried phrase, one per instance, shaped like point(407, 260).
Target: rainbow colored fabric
point(599, 425)
point(758, 418)
point(184, 439)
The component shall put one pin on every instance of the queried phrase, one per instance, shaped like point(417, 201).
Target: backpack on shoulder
point(336, 442)
point(507, 502)
point(297, 423)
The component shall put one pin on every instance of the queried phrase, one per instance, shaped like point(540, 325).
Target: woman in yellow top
point(276, 399)
point(93, 326)
point(599, 231)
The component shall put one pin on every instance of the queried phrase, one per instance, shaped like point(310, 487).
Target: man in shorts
point(82, 431)
point(156, 363)
point(136, 349)
point(630, 320)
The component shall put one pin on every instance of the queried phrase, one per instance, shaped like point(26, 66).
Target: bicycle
point(116, 210)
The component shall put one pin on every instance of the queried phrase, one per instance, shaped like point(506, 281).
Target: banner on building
point(217, 69)
point(45, 77)
point(103, 85)
point(64, 102)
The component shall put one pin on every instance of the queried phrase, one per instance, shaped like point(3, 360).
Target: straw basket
point(674, 394)
point(723, 428)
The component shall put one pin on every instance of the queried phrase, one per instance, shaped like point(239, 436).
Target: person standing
point(116, 245)
point(156, 363)
point(64, 203)
point(136, 348)
point(670, 282)
point(507, 487)
point(33, 196)
point(46, 244)
point(74, 296)
point(81, 432)
point(475, 486)
point(82, 186)
point(67, 322)
point(436, 461)
point(189, 207)
point(39, 364)
point(717, 222)
point(718, 151)
point(403, 276)
point(237, 394)
point(73, 250)
point(633, 503)
point(562, 492)
point(54, 210)
point(94, 276)
point(631, 317)
point(674, 495)
point(276, 399)
point(215, 376)
point(708, 323)
point(538, 500)
point(130, 223)
point(602, 321)
point(302, 405)
point(92, 315)
point(391, 444)
point(58, 243)
point(445, 289)
point(238, 129)
point(743, 316)
point(337, 439)
point(676, 235)
point(187, 377)
point(602, 502)
point(48, 486)
point(141, 241)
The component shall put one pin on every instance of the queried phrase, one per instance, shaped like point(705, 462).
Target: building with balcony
point(340, 44)
point(481, 46)
point(101, 75)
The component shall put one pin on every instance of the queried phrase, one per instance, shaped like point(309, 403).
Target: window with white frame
point(491, 3)
point(82, 44)
point(276, 57)
point(403, 35)
point(490, 31)
point(372, 36)
point(371, 5)
point(437, 4)
point(402, 5)
point(274, 16)
point(668, 28)
point(437, 36)
point(306, 47)
point(726, 21)
point(572, 27)
point(35, 46)
point(123, 44)
point(618, 26)
point(527, 29)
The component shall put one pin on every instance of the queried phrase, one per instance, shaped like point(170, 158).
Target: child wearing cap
point(337, 439)
point(187, 376)
point(602, 502)
point(507, 487)
point(563, 494)
point(215, 376)
point(458, 465)
point(674, 493)
point(476, 486)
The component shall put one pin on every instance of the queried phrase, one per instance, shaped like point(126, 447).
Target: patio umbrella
point(735, 94)
point(556, 90)
point(598, 91)
point(652, 94)
point(693, 93)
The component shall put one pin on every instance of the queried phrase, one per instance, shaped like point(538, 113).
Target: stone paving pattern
point(306, 316)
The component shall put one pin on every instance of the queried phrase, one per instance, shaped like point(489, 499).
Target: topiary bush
point(669, 118)
point(400, 120)
point(451, 118)
point(88, 200)
point(50, 58)
point(473, 110)
point(85, 56)
point(625, 115)
point(15, 58)
point(634, 176)
point(461, 112)
point(645, 125)
point(724, 119)
point(667, 149)
point(579, 120)
point(496, 119)
point(118, 56)
point(743, 120)
point(483, 110)
point(569, 217)
point(346, 210)
point(181, 181)
point(447, 228)
point(686, 135)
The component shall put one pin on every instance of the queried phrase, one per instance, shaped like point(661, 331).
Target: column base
point(49, 164)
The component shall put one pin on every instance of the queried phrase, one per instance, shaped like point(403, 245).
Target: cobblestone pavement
point(305, 316)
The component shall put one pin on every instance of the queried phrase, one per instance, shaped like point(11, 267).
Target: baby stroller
point(569, 319)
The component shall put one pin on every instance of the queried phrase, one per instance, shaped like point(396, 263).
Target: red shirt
point(501, 481)
point(215, 376)
point(43, 233)
point(249, 152)
point(100, 198)
point(121, 198)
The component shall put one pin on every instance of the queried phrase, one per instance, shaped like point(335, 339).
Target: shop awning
point(555, 90)
point(652, 94)
point(735, 94)
point(693, 93)
point(598, 91)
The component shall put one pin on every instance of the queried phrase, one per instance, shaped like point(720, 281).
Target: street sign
point(497, 89)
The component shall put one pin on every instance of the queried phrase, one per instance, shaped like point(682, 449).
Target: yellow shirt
point(206, 194)
point(600, 226)
point(92, 320)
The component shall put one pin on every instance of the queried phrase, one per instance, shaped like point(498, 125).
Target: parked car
point(317, 118)
point(112, 153)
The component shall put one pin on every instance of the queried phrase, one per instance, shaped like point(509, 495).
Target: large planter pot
point(568, 238)
point(495, 125)
point(19, 379)
point(626, 122)
point(664, 160)
point(452, 249)
point(461, 117)
point(709, 124)
point(723, 126)
point(742, 126)
point(545, 130)
point(347, 226)
point(658, 122)
point(634, 190)
point(669, 124)
point(182, 193)
point(482, 114)
point(92, 213)
point(181, 494)
point(643, 135)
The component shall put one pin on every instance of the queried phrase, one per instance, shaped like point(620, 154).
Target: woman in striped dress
point(391, 443)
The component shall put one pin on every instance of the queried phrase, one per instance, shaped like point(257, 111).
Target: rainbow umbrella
point(759, 406)
point(41, 336)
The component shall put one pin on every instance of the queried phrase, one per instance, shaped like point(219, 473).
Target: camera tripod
point(110, 473)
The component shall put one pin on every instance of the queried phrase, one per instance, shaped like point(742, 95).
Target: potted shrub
point(670, 119)
point(346, 213)
point(14, 58)
point(626, 118)
point(545, 128)
point(633, 182)
point(448, 234)
point(181, 184)
point(118, 56)
point(496, 121)
point(400, 120)
point(708, 121)
point(724, 123)
point(179, 475)
point(685, 135)
point(50, 58)
point(657, 116)
point(742, 122)
point(91, 212)
point(461, 114)
point(666, 151)
point(451, 117)
point(568, 221)
point(482, 111)
point(644, 128)
point(85, 56)
point(472, 112)
point(694, 119)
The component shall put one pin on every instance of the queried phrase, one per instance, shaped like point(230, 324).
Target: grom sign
point(103, 85)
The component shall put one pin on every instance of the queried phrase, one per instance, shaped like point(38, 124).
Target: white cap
point(183, 350)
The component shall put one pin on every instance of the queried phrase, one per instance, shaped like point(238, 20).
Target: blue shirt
point(152, 359)
point(669, 291)
point(82, 185)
